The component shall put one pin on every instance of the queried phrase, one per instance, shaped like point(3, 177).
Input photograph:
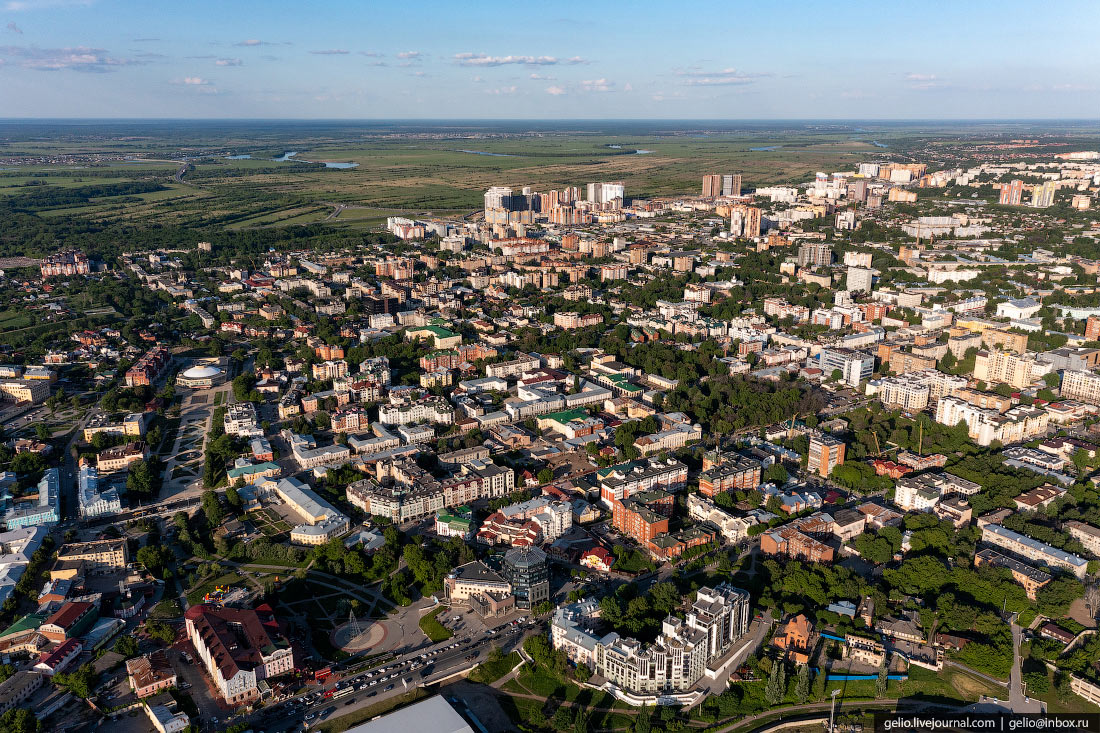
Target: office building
point(239, 648)
point(528, 571)
point(94, 498)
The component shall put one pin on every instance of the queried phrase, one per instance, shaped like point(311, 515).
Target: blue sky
point(549, 60)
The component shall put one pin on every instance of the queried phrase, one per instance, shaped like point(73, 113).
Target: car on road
point(390, 687)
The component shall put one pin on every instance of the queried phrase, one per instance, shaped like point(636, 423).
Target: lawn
point(431, 627)
point(169, 608)
point(195, 595)
point(489, 672)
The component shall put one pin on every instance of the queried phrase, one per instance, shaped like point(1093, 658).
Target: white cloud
point(541, 77)
point(555, 91)
point(725, 77)
point(17, 6)
point(252, 42)
point(503, 90)
point(481, 59)
point(597, 85)
point(330, 52)
point(409, 55)
point(195, 81)
point(371, 54)
point(923, 81)
point(77, 58)
point(229, 62)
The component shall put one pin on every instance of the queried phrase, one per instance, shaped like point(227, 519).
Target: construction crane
point(878, 448)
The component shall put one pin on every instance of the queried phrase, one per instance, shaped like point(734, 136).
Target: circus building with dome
point(201, 376)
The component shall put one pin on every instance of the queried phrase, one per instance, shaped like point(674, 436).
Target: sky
point(964, 59)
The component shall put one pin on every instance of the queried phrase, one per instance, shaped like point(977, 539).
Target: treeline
point(47, 197)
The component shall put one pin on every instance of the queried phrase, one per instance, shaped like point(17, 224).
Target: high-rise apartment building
point(1092, 328)
point(1012, 193)
point(826, 453)
point(605, 193)
point(1043, 196)
point(814, 254)
point(745, 221)
point(712, 185)
point(860, 278)
point(731, 184)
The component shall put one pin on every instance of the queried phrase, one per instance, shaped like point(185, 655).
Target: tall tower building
point(712, 185)
point(731, 184)
point(1012, 193)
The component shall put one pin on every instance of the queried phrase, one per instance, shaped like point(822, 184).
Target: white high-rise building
point(860, 278)
point(495, 197)
point(604, 193)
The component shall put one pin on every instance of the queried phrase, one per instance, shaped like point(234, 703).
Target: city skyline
point(92, 59)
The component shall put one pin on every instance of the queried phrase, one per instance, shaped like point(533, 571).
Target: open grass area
point(195, 595)
point(429, 624)
point(489, 672)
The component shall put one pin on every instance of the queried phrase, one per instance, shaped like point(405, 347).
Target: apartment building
point(120, 458)
point(25, 390)
point(734, 473)
point(905, 392)
point(1086, 534)
point(985, 426)
point(854, 366)
point(242, 421)
point(1033, 550)
point(94, 498)
point(618, 482)
point(421, 495)
point(996, 367)
point(1081, 386)
point(643, 515)
point(1031, 578)
point(676, 661)
point(101, 556)
point(789, 540)
point(826, 453)
point(432, 408)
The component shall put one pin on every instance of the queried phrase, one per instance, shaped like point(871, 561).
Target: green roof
point(234, 473)
point(566, 416)
point(435, 330)
point(28, 623)
point(623, 383)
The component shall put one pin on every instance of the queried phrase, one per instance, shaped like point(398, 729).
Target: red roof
point(69, 614)
point(64, 649)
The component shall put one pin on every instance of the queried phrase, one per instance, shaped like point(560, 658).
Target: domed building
point(201, 376)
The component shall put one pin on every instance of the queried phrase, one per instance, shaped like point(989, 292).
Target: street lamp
point(832, 707)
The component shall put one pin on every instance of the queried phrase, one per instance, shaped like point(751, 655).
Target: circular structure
point(350, 638)
point(201, 376)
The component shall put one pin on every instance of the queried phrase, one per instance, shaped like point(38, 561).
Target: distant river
point(290, 157)
point(482, 152)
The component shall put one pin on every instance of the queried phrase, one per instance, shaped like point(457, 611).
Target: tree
point(126, 646)
point(545, 476)
point(802, 685)
point(883, 680)
point(43, 432)
point(777, 684)
point(643, 721)
point(582, 672)
point(19, 720)
point(819, 686)
point(212, 508)
point(140, 480)
point(580, 724)
point(233, 499)
point(80, 683)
